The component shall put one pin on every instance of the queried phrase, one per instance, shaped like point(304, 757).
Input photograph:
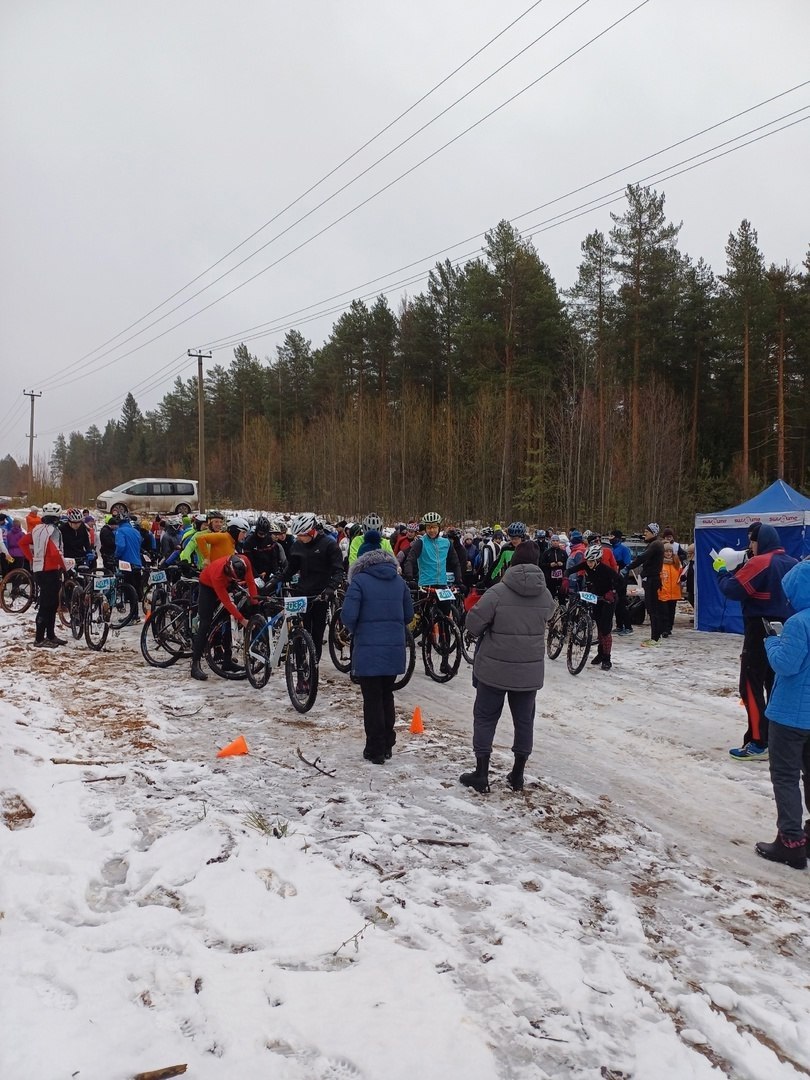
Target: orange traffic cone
point(238, 746)
point(417, 727)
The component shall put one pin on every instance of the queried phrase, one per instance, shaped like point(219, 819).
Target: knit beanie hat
point(654, 528)
point(527, 552)
point(371, 542)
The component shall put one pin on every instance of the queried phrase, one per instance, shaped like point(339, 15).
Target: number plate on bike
point(102, 583)
point(69, 564)
point(445, 594)
point(588, 597)
point(124, 565)
point(295, 605)
point(157, 576)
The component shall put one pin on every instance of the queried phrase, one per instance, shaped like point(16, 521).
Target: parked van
point(151, 495)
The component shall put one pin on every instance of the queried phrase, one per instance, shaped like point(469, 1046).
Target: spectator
point(789, 715)
point(650, 561)
point(376, 609)
point(670, 592)
point(509, 622)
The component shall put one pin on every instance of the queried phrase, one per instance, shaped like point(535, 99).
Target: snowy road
point(611, 922)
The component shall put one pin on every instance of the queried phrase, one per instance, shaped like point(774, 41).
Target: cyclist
point(266, 555)
point(106, 541)
point(189, 556)
point(517, 533)
point(603, 581)
point(43, 549)
point(315, 569)
point(370, 522)
point(552, 563)
point(76, 543)
point(171, 537)
point(216, 582)
point(217, 541)
point(431, 557)
point(128, 547)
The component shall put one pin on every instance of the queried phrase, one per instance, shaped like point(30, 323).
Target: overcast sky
point(142, 142)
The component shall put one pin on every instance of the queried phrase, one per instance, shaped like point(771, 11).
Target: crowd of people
point(517, 576)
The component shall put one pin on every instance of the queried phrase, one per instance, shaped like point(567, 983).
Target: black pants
point(756, 681)
point(622, 617)
point(789, 757)
point(314, 620)
point(667, 608)
point(48, 582)
point(207, 603)
point(378, 712)
point(133, 577)
point(653, 605)
point(603, 617)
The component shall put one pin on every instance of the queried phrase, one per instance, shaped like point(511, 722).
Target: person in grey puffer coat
point(510, 622)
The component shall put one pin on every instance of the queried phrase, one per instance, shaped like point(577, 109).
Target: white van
point(151, 495)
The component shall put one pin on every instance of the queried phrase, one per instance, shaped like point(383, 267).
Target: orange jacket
point(214, 545)
point(31, 520)
point(670, 581)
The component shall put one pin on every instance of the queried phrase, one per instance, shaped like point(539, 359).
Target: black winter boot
point(197, 671)
point(478, 780)
point(515, 778)
point(793, 854)
point(597, 659)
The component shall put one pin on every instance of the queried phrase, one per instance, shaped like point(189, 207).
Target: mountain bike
point(168, 633)
point(18, 591)
point(434, 624)
point(572, 622)
point(275, 636)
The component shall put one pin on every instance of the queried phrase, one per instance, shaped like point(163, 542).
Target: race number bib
point(555, 574)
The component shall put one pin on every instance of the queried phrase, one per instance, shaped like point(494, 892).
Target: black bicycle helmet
point(236, 567)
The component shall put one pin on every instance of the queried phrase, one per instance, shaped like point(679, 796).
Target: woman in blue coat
point(376, 610)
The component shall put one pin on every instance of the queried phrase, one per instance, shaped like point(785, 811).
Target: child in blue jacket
point(788, 711)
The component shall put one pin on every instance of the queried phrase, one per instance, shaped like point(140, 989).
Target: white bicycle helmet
point(302, 523)
point(278, 526)
point(594, 553)
point(431, 518)
point(74, 515)
point(52, 509)
point(372, 521)
point(239, 523)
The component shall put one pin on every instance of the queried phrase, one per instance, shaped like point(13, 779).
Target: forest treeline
point(651, 389)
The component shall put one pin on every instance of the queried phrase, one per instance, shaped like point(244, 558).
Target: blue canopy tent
point(778, 505)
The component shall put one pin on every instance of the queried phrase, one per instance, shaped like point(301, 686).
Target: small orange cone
point(234, 749)
point(417, 727)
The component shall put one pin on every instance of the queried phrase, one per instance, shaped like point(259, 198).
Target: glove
point(625, 571)
point(719, 565)
point(90, 558)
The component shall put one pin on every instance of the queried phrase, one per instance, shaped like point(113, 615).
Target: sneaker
point(57, 640)
point(606, 665)
point(623, 632)
point(650, 644)
point(749, 752)
point(45, 644)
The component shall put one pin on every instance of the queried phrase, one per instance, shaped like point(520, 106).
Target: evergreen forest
point(652, 389)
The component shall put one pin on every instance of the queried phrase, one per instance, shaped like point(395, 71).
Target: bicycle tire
point(580, 638)
point(97, 622)
point(78, 599)
point(219, 652)
point(125, 607)
point(17, 591)
point(153, 643)
point(172, 624)
point(258, 650)
point(301, 670)
point(441, 641)
point(340, 644)
point(410, 662)
point(66, 590)
point(555, 634)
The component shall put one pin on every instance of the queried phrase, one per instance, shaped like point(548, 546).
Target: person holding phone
point(789, 732)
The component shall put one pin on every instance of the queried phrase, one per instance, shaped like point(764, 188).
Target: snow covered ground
point(252, 917)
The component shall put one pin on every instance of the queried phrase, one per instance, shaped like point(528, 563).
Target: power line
point(555, 221)
point(358, 206)
point(317, 184)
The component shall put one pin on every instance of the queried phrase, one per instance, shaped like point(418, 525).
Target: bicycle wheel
point(410, 662)
point(579, 641)
point(219, 652)
point(68, 587)
point(301, 670)
point(258, 647)
point(97, 621)
point(125, 607)
point(159, 649)
point(171, 630)
point(17, 591)
point(340, 644)
point(77, 609)
point(555, 634)
point(441, 648)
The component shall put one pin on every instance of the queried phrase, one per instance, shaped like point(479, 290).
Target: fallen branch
point(314, 764)
point(436, 842)
point(161, 1074)
point(98, 779)
point(394, 875)
point(82, 761)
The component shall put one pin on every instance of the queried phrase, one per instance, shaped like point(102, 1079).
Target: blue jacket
point(622, 554)
point(757, 584)
point(376, 610)
point(128, 544)
point(789, 655)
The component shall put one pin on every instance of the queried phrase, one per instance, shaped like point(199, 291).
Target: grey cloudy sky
point(141, 142)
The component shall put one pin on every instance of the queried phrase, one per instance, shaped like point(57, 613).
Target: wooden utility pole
point(31, 394)
point(200, 356)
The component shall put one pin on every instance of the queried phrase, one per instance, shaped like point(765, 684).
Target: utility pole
point(31, 394)
point(200, 356)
